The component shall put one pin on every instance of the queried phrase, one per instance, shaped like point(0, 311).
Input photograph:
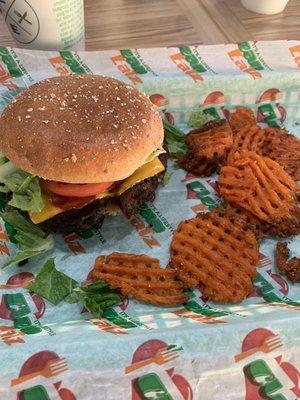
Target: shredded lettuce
point(31, 239)
point(174, 140)
point(25, 188)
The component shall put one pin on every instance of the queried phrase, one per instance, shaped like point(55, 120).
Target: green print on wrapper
point(11, 64)
point(151, 387)
point(154, 218)
point(75, 64)
point(267, 291)
point(121, 319)
point(133, 61)
point(250, 56)
point(268, 110)
point(192, 59)
point(259, 373)
point(204, 309)
point(23, 318)
point(203, 194)
point(36, 393)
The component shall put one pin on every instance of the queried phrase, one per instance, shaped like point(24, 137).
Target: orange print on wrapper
point(59, 64)
point(180, 62)
point(106, 326)
point(6, 79)
point(122, 65)
point(267, 375)
point(295, 52)
point(158, 384)
point(145, 232)
point(72, 241)
point(203, 319)
point(47, 366)
point(242, 64)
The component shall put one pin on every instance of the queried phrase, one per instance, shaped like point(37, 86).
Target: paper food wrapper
point(222, 351)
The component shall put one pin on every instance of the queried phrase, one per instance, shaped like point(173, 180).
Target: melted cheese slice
point(148, 170)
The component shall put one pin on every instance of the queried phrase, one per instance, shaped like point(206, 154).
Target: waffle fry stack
point(218, 251)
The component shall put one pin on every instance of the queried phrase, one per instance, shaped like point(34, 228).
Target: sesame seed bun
point(80, 129)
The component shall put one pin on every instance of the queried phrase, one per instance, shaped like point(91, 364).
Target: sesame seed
point(27, 116)
point(30, 109)
point(46, 122)
point(66, 159)
point(118, 98)
point(73, 158)
point(115, 126)
point(19, 118)
point(42, 108)
point(144, 120)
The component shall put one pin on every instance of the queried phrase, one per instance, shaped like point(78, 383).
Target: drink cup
point(45, 24)
point(265, 6)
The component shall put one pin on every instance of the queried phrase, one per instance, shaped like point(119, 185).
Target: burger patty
point(92, 215)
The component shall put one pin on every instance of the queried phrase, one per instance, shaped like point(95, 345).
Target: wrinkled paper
point(249, 350)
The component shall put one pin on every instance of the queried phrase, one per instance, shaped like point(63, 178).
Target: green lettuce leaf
point(198, 119)
point(96, 297)
point(174, 140)
point(25, 188)
point(52, 284)
point(31, 239)
point(56, 286)
point(3, 159)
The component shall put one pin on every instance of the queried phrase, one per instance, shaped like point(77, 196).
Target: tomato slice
point(76, 190)
point(67, 203)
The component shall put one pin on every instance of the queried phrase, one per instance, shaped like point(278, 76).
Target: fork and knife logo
point(51, 369)
point(9, 335)
point(162, 356)
point(270, 344)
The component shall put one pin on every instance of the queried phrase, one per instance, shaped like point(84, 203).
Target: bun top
point(80, 129)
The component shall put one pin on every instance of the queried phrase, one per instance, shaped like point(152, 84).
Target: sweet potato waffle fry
point(218, 251)
point(291, 268)
point(285, 149)
point(260, 186)
point(252, 138)
point(141, 277)
point(208, 148)
point(241, 118)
